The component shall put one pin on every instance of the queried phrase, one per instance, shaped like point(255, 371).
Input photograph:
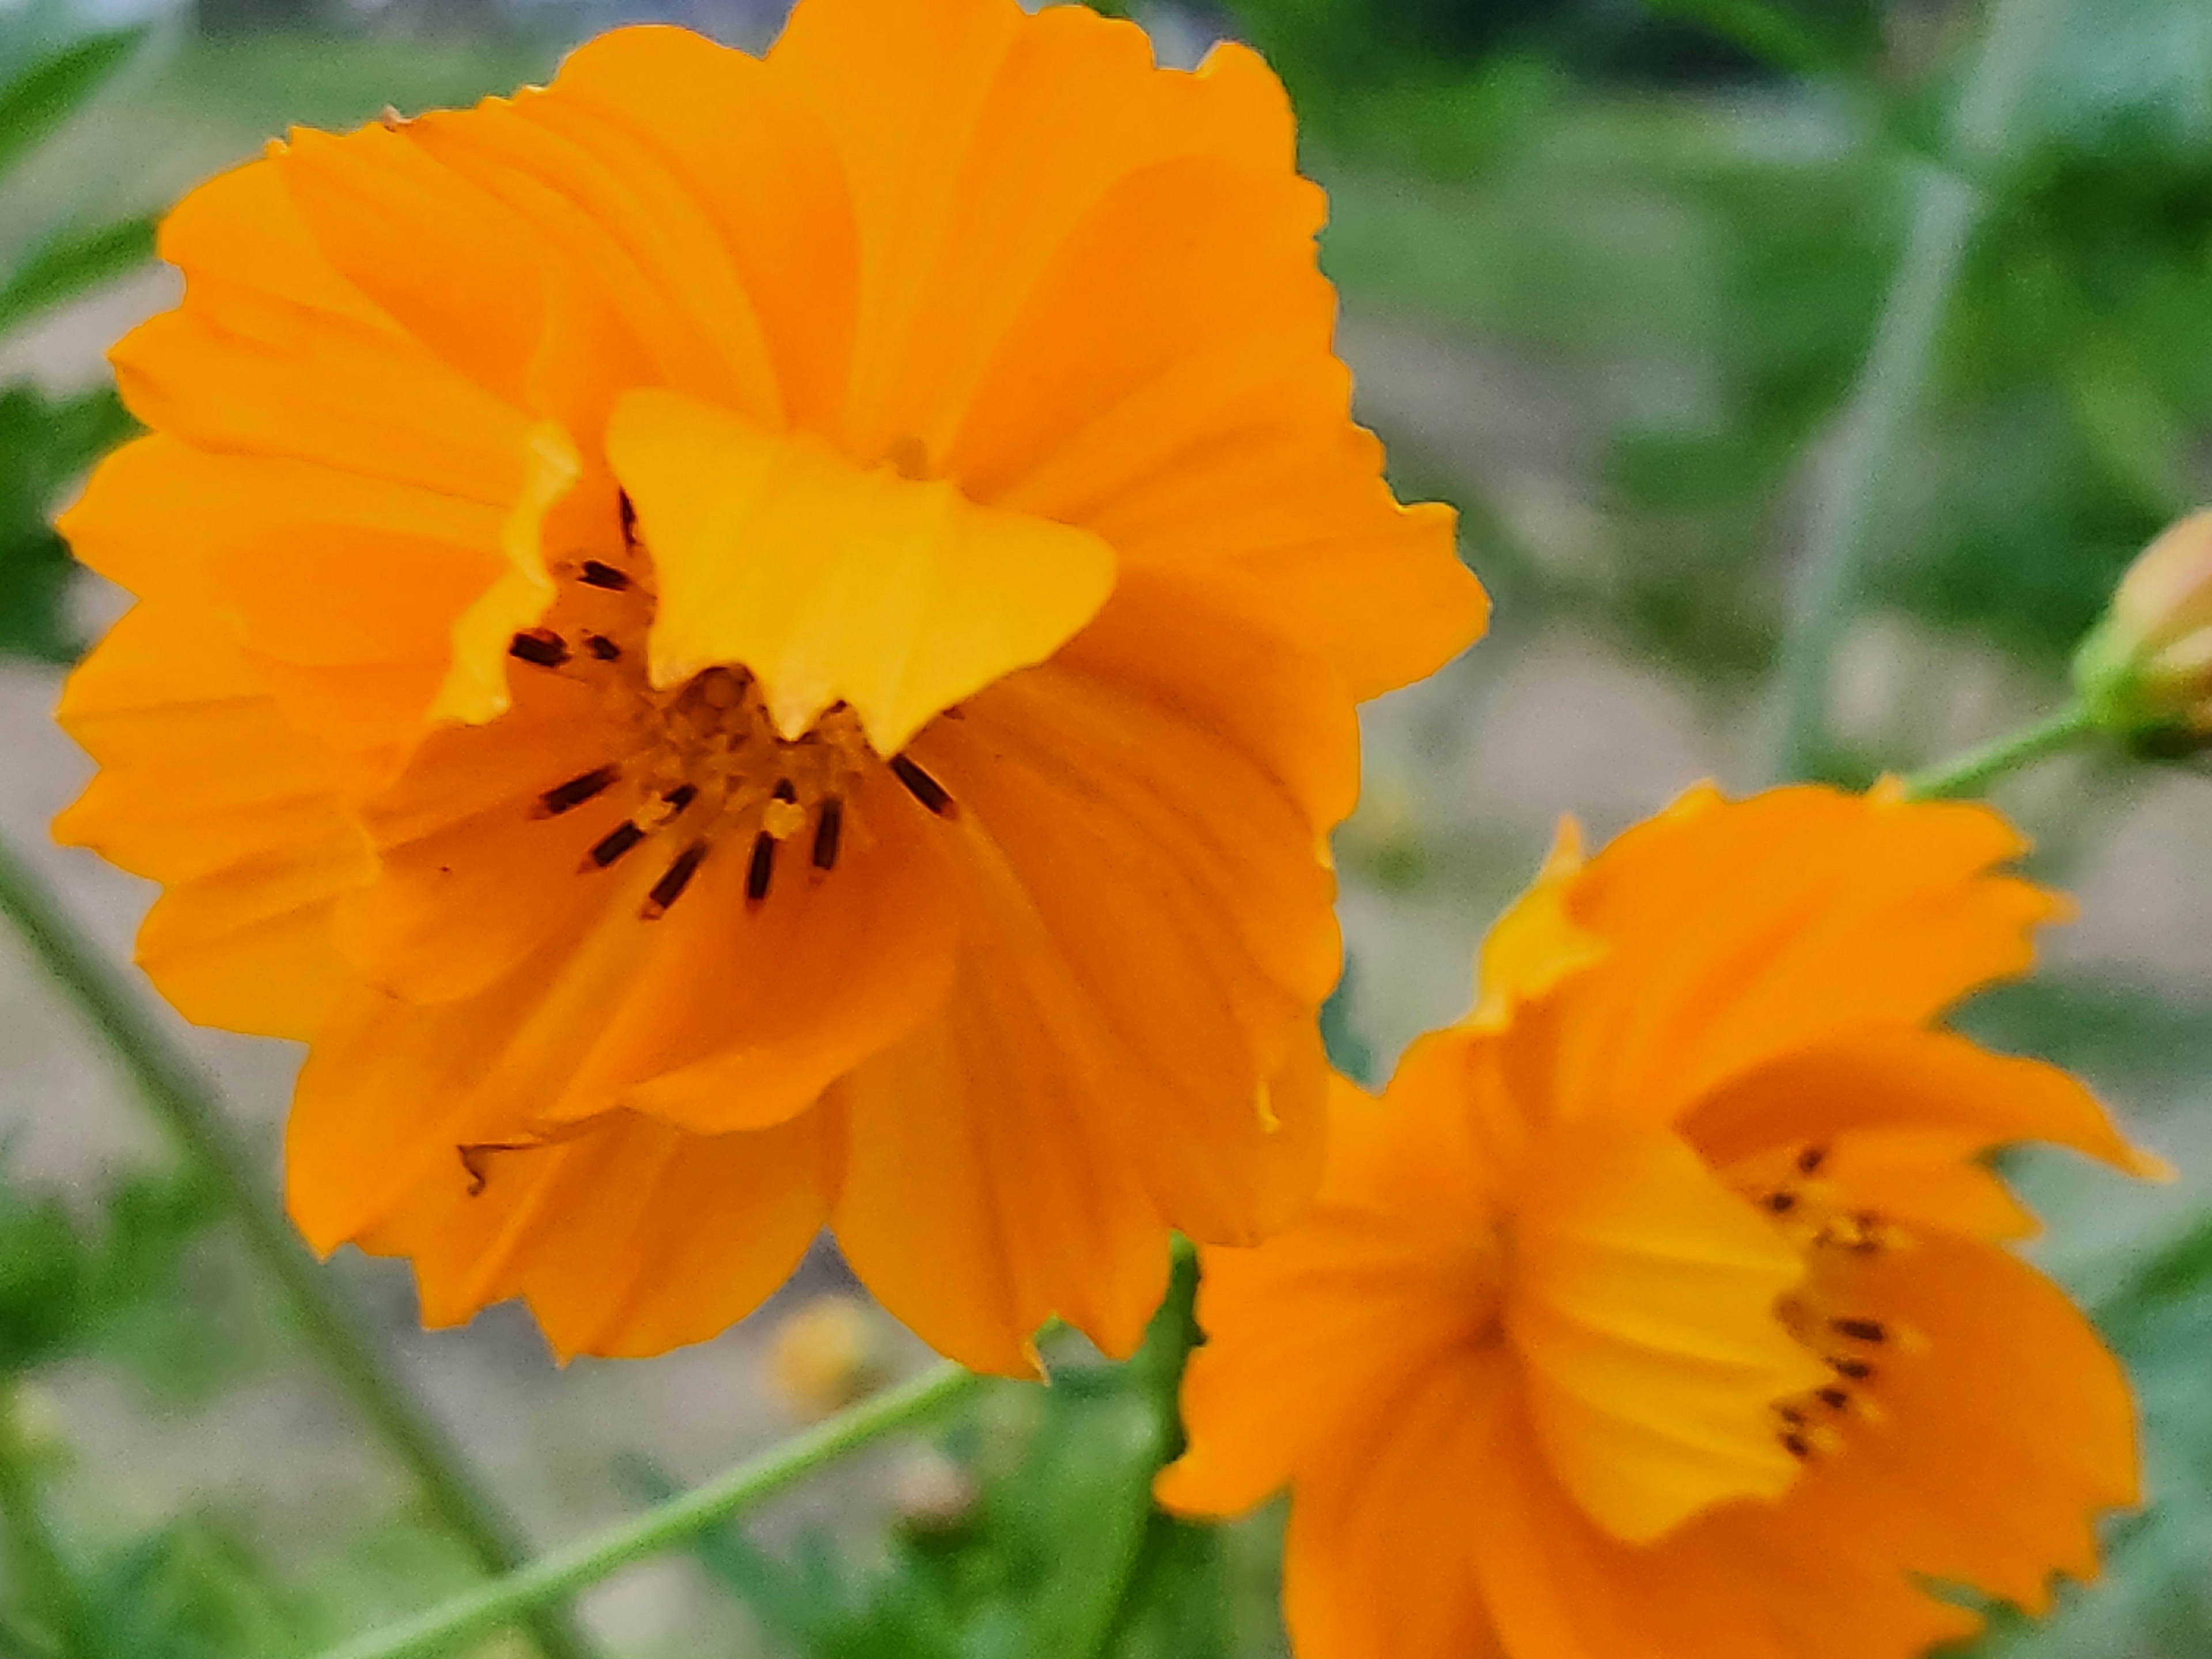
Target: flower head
point(742, 644)
point(2145, 672)
point(1660, 1311)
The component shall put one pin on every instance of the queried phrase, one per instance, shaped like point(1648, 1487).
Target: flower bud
point(2145, 672)
point(827, 1354)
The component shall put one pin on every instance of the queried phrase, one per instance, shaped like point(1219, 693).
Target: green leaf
point(45, 443)
point(1771, 36)
point(73, 263)
point(46, 95)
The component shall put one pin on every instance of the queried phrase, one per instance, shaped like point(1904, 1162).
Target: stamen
point(922, 787)
point(829, 829)
point(762, 870)
point(1858, 1369)
point(670, 888)
point(1860, 1330)
point(541, 646)
point(680, 796)
point(1833, 1398)
point(574, 793)
point(1780, 1203)
point(784, 790)
point(476, 1158)
point(616, 842)
point(598, 574)
point(602, 648)
point(1796, 1445)
point(629, 511)
point(1810, 1160)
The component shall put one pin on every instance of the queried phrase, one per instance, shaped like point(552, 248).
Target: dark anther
point(539, 644)
point(829, 829)
point(922, 787)
point(601, 646)
point(1834, 1398)
point(1797, 1446)
point(578, 790)
point(1790, 1415)
point(784, 790)
point(598, 574)
point(616, 841)
point(629, 511)
point(472, 1160)
point(762, 870)
point(1811, 1159)
point(1858, 1369)
point(476, 1158)
point(1780, 1203)
point(681, 797)
point(670, 888)
point(1860, 1330)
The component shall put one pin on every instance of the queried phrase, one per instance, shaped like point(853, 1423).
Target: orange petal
point(1642, 1303)
point(1738, 932)
point(274, 353)
point(1902, 1079)
point(2006, 1426)
point(1170, 385)
point(1739, 1582)
point(832, 583)
point(628, 1240)
point(983, 1196)
point(1321, 1326)
point(746, 1012)
point(975, 137)
point(205, 787)
point(718, 1016)
point(478, 304)
point(473, 876)
point(352, 593)
point(1379, 1562)
point(1138, 854)
point(156, 511)
point(644, 262)
point(761, 166)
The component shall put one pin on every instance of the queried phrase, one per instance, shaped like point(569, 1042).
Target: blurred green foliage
point(47, 442)
point(1036, 1535)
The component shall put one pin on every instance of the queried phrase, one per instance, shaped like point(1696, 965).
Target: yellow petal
point(832, 582)
point(1642, 1304)
point(1536, 943)
point(476, 686)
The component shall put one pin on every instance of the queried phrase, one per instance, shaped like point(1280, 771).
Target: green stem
point(1976, 769)
point(1946, 208)
point(187, 1106)
point(474, 1613)
point(1165, 1355)
point(42, 1573)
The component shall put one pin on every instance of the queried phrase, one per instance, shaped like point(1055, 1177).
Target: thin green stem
point(1947, 206)
point(187, 1106)
point(43, 1578)
point(564, 1571)
point(1165, 1355)
point(1976, 769)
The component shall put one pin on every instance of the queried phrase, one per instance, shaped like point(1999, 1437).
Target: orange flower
point(1659, 1310)
point(741, 644)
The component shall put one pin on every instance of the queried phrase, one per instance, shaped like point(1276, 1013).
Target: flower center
point(703, 759)
point(1821, 1314)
